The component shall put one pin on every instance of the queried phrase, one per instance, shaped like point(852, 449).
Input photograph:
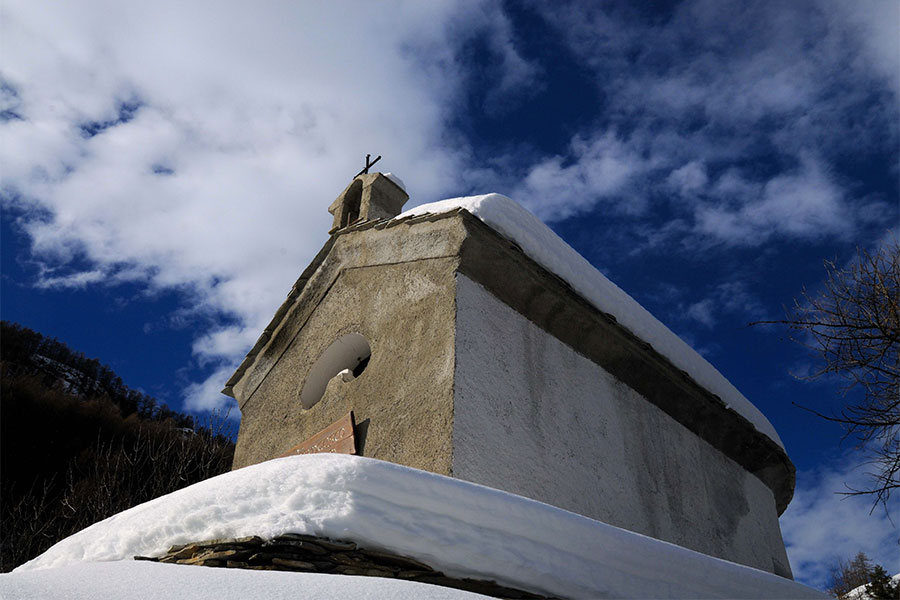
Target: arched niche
point(347, 356)
point(351, 205)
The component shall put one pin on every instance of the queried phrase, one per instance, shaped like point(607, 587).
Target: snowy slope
point(460, 528)
point(860, 593)
point(543, 246)
point(73, 381)
point(135, 580)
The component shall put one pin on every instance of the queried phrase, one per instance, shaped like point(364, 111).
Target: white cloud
point(736, 298)
point(805, 204)
point(223, 130)
point(206, 396)
point(76, 280)
point(689, 179)
point(730, 298)
point(821, 525)
point(225, 343)
point(513, 75)
point(601, 168)
point(875, 24)
point(728, 96)
point(702, 312)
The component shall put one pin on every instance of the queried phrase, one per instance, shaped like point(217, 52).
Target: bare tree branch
point(852, 327)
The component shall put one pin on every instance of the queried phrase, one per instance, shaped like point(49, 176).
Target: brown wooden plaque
point(337, 438)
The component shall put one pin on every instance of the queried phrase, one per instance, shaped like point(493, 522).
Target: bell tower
point(369, 196)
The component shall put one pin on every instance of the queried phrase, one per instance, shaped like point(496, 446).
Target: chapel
point(466, 339)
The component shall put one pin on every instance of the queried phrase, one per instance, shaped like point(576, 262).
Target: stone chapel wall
point(402, 401)
point(534, 417)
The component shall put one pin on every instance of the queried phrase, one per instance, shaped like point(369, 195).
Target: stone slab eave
point(500, 265)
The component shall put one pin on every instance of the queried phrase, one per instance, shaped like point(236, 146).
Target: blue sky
point(166, 170)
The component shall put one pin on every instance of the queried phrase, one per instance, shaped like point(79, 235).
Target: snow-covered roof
point(460, 528)
point(397, 181)
point(546, 248)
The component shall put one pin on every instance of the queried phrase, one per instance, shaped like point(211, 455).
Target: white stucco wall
point(534, 417)
point(512, 221)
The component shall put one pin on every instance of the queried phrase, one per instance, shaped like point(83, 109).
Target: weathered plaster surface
point(416, 239)
point(533, 417)
point(547, 301)
point(402, 401)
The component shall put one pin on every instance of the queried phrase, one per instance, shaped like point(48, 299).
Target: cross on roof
point(368, 164)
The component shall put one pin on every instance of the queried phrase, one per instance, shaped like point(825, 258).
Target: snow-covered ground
point(461, 528)
point(860, 593)
point(136, 580)
point(73, 381)
point(546, 248)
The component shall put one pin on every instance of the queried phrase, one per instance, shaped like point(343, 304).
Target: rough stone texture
point(310, 554)
point(396, 283)
point(399, 303)
point(542, 421)
point(368, 197)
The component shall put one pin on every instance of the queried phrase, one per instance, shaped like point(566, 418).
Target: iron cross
point(369, 164)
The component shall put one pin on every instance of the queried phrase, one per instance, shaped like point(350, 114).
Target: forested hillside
point(77, 445)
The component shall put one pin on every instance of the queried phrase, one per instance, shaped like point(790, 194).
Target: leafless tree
point(109, 478)
point(846, 576)
point(852, 326)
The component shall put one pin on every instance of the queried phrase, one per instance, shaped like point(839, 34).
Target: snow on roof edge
point(397, 181)
point(541, 244)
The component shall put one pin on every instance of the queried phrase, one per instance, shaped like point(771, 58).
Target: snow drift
point(463, 529)
point(153, 581)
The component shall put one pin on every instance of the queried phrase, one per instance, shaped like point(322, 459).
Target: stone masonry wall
point(310, 554)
